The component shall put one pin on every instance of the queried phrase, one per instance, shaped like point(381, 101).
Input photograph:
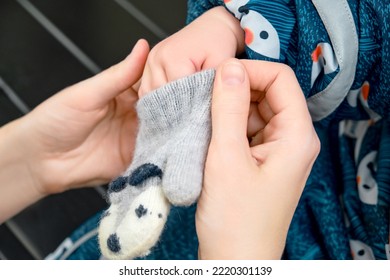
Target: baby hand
point(205, 43)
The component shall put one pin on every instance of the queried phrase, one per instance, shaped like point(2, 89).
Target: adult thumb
point(230, 102)
point(98, 90)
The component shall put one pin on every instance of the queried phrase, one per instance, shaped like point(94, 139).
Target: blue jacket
point(340, 52)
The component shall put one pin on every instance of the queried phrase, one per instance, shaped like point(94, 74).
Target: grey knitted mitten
point(167, 168)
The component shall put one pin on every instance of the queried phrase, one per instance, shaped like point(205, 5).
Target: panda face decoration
point(137, 228)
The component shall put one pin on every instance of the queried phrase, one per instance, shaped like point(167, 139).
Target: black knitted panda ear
point(118, 184)
point(137, 177)
point(144, 172)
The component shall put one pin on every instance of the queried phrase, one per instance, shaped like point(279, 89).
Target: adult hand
point(251, 188)
point(84, 135)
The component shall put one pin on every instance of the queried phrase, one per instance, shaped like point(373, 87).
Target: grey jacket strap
point(337, 18)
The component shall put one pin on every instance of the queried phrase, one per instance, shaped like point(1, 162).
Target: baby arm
point(205, 43)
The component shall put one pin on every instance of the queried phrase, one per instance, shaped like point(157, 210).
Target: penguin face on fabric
point(367, 185)
point(234, 6)
point(361, 251)
point(358, 94)
point(260, 35)
point(324, 59)
point(361, 95)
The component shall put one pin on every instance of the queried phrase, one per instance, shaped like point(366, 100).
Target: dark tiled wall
point(47, 45)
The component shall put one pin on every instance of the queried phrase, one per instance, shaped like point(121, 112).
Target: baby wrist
point(233, 25)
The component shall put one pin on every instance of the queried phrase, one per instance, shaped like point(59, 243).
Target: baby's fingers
point(180, 69)
point(152, 78)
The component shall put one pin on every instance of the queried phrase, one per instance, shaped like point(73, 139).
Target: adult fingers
point(279, 84)
point(230, 103)
point(288, 133)
point(281, 105)
point(255, 120)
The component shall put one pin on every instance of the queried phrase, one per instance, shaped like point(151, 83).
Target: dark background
point(45, 46)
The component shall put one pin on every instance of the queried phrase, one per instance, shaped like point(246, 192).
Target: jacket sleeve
point(196, 8)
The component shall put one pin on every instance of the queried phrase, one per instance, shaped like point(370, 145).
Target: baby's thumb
point(230, 103)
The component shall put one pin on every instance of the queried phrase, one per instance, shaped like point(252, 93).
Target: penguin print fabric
point(340, 53)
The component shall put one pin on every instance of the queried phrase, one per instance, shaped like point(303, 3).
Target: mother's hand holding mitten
point(251, 188)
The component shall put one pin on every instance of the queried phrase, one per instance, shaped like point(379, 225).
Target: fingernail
point(135, 47)
point(233, 74)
